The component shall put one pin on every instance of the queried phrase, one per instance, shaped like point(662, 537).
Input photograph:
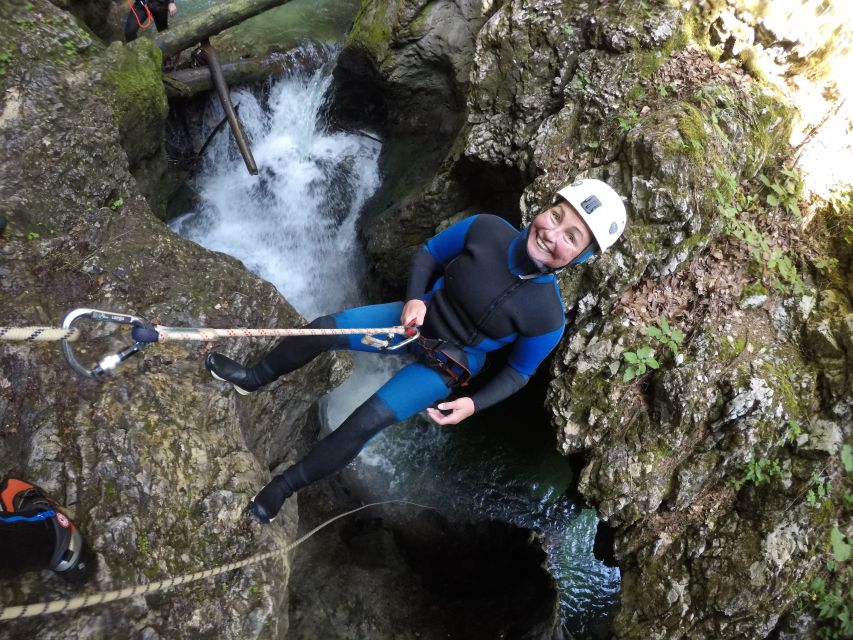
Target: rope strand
point(87, 600)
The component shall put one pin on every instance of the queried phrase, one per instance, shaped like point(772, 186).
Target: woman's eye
point(555, 216)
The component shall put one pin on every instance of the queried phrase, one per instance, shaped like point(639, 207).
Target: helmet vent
point(591, 204)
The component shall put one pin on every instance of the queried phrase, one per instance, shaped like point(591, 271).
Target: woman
point(493, 286)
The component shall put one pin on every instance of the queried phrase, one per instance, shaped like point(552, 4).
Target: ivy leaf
point(630, 357)
point(664, 325)
point(630, 374)
point(677, 336)
point(643, 353)
point(653, 363)
point(772, 200)
point(840, 549)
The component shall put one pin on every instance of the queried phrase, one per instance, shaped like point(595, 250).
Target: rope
point(37, 334)
point(149, 18)
point(207, 334)
point(88, 600)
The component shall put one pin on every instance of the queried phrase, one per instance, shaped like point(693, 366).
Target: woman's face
point(557, 236)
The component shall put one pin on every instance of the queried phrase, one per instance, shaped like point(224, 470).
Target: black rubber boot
point(269, 501)
point(245, 380)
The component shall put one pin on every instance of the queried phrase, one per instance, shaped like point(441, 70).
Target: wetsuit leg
point(412, 389)
point(160, 13)
point(131, 26)
point(294, 352)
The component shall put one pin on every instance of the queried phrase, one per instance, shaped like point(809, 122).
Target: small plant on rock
point(638, 362)
point(786, 193)
point(629, 121)
point(668, 337)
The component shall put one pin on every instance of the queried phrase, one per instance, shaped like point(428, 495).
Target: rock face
point(157, 463)
point(631, 95)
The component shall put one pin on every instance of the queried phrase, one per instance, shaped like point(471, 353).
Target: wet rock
point(156, 463)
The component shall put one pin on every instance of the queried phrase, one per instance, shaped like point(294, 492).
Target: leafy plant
point(761, 470)
point(629, 121)
point(792, 432)
point(665, 89)
point(118, 202)
point(638, 362)
point(834, 609)
point(785, 193)
point(773, 259)
point(5, 59)
point(757, 472)
point(820, 492)
point(32, 235)
point(580, 81)
point(847, 458)
point(671, 338)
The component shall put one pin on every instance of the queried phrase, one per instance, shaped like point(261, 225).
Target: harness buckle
point(110, 362)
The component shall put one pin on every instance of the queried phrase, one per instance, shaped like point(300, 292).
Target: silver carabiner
point(110, 362)
point(412, 337)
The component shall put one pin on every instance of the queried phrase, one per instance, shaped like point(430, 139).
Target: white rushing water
point(294, 225)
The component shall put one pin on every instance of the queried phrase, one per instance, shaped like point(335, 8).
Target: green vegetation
point(736, 210)
point(580, 81)
point(757, 471)
point(668, 337)
point(831, 594)
point(665, 89)
point(5, 59)
point(118, 202)
point(791, 434)
point(819, 492)
point(786, 193)
point(629, 121)
point(638, 362)
point(32, 235)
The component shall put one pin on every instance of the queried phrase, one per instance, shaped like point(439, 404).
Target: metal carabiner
point(413, 334)
point(109, 362)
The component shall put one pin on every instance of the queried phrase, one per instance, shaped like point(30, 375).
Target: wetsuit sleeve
point(438, 251)
point(527, 354)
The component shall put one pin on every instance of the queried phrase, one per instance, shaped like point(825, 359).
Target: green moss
point(691, 127)
point(371, 30)
point(135, 77)
point(754, 288)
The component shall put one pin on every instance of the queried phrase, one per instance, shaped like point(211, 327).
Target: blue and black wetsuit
point(485, 294)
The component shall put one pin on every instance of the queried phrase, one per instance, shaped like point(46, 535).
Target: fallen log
point(186, 83)
point(219, 17)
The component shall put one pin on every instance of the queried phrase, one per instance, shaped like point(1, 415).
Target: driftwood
point(185, 83)
point(219, 17)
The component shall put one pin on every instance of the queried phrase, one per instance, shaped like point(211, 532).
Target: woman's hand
point(173, 9)
point(413, 310)
point(459, 410)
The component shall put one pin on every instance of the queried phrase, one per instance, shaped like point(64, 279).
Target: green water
point(281, 28)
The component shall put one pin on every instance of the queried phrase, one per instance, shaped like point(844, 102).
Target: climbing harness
point(72, 604)
point(446, 358)
point(144, 4)
point(143, 334)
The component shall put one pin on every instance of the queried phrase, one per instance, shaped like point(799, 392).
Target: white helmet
point(599, 206)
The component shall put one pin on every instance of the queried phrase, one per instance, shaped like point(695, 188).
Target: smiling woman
point(476, 287)
point(587, 217)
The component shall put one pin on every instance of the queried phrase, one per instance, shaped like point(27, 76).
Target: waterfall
point(294, 225)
